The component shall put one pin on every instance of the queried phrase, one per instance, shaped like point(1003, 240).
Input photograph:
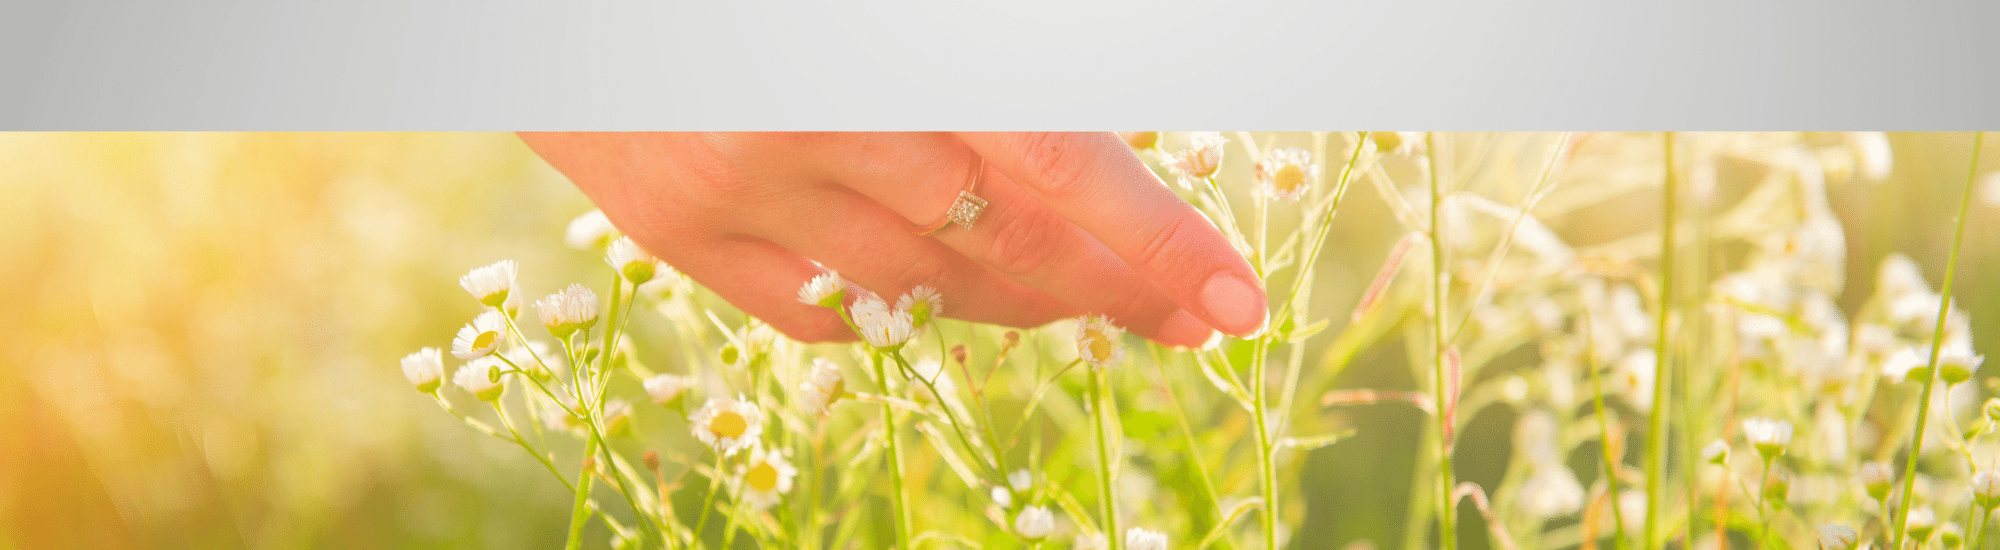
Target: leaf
point(1300, 334)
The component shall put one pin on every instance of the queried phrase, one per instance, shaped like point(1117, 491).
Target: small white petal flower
point(728, 425)
point(589, 230)
point(425, 369)
point(1769, 436)
point(765, 478)
point(1834, 536)
point(1717, 452)
point(535, 356)
point(1091, 541)
point(1097, 342)
point(1396, 143)
point(1285, 174)
point(924, 303)
point(1877, 478)
point(1920, 523)
point(880, 325)
point(1957, 363)
point(1001, 496)
point(1199, 160)
point(1020, 480)
point(1986, 489)
point(1898, 366)
point(665, 388)
point(478, 338)
point(822, 386)
point(1552, 491)
point(1140, 538)
point(824, 290)
point(491, 284)
point(1872, 158)
point(481, 377)
point(631, 262)
point(617, 418)
point(568, 311)
point(1034, 522)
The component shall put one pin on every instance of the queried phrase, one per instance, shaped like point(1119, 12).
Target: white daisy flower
point(478, 338)
point(1201, 158)
point(568, 311)
point(924, 303)
point(1920, 523)
point(880, 325)
point(1717, 452)
point(1396, 143)
point(1834, 536)
point(824, 290)
point(631, 262)
point(823, 386)
point(425, 369)
point(490, 284)
point(617, 418)
point(1097, 342)
point(1552, 491)
point(1769, 436)
point(1140, 538)
point(481, 378)
point(728, 425)
point(1092, 541)
point(1021, 480)
point(526, 358)
point(589, 230)
point(765, 478)
point(1285, 174)
point(665, 388)
point(1001, 497)
point(1034, 522)
point(1986, 489)
point(1899, 365)
point(1877, 478)
point(1956, 362)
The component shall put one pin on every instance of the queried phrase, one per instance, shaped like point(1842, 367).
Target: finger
point(918, 176)
point(759, 277)
point(868, 245)
point(1094, 181)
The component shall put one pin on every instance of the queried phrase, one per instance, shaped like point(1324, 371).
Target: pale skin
point(1076, 224)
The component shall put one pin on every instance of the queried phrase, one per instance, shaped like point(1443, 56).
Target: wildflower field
point(1477, 340)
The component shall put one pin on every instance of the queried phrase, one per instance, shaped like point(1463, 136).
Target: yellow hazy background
point(199, 332)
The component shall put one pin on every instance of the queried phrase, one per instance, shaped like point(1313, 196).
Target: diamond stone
point(966, 209)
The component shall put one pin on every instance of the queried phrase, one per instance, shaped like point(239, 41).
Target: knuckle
point(922, 269)
point(1058, 163)
point(1169, 252)
point(1025, 244)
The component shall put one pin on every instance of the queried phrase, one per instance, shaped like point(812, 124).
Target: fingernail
point(1234, 303)
point(1183, 330)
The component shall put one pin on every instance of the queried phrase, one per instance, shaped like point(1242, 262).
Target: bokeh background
point(199, 334)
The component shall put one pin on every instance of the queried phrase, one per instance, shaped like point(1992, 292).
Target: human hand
point(1075, 223)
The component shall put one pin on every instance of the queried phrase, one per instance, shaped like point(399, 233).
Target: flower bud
point(1034, 522)
point(1951, 535)
point(631, 262)
point(959, 354)
point(652, 459)
point(1769, 436)
point(425, 369)
point(1921, 522)
point(568, 311)
point(1877, 477)
point(1717, 452)
point(1140, 140)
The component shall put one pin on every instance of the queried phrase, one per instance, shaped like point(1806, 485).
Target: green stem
point(1446, 509)
point(1763, 498)
point(579, 510)
point(901, 499)
point(1656, 436)
point(1611, 462)
point(1108, 498)
point(1937, 339)
point(1267, 473)
point(708, 503)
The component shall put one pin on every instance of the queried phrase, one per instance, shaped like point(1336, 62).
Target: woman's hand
point(1074, 223)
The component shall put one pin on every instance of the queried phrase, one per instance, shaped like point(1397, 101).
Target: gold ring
point(965, 209)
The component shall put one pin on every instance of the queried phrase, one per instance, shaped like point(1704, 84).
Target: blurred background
point(201, 334)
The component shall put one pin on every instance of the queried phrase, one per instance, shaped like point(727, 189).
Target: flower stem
point(579, 510)
point(1937, 339)
point(1611, 461)
point(901, 499)
point(1447, 526)
point(708, 503)
point(1108, 498)
point(1656, 436)
point(1267, 473)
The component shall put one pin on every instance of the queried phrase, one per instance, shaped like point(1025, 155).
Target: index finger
point(1095, 181)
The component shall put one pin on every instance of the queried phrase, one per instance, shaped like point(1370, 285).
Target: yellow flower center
point(1098, 344)
point(1289, 178)
point(728, 424)
point(484, 339)
point(762, 477)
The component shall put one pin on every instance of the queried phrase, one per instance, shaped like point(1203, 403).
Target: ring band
point(965, 209)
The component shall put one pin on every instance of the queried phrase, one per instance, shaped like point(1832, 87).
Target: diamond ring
point(965, 209)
